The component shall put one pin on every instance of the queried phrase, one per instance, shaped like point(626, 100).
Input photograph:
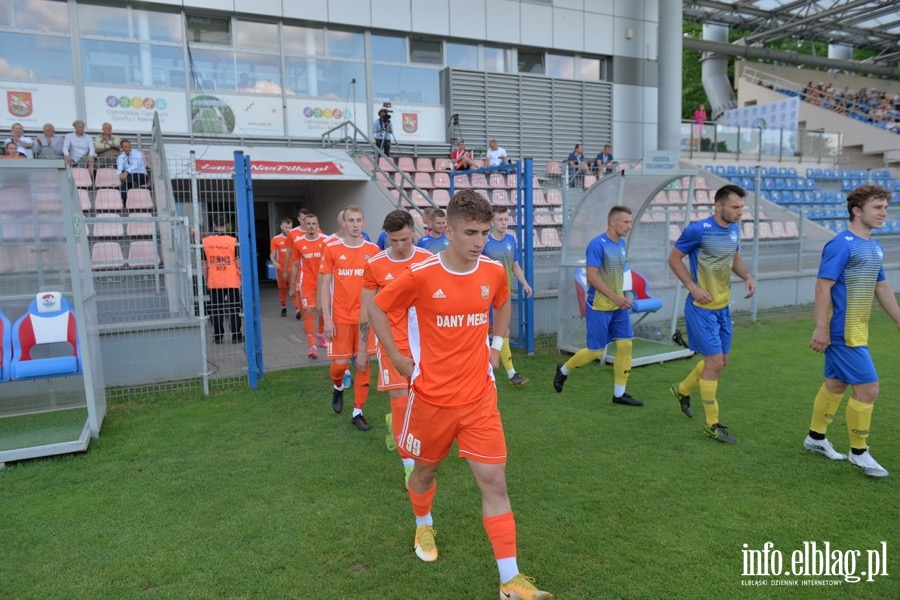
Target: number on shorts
point(385, 376)
point(413, 446)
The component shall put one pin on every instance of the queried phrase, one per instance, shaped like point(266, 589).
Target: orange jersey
point(448, 327)
point(293, 234)
point(281, 245)
point(346, 266)
point(381, 271)
point(309, 253)
point(221, 260)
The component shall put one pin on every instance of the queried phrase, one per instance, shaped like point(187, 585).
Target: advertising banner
point(783, 114)
point(33, 104)
point(268, 167)
point(219, 114)
point(416, 123)
point(132, 109)
point(312, 118)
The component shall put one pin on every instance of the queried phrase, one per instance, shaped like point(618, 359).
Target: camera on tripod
point(385, 113)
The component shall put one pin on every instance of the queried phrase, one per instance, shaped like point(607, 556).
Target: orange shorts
point(398, 412)
point(308, 297)
point(389, 378)
point(281, 279)
point(345, 343)
point(428, 431)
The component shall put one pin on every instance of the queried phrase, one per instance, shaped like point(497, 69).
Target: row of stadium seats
point(114, 226)
point(791, 172)
point(501, 197)
point(110, 255)
point(105, 177)
point(816, 173)
point(110, 200)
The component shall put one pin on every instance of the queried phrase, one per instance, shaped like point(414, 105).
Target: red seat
point(107, 255)
point(424, 164)
point(82, 177)
point(484, 194)
point(479, 180)
point(442, 164)
point(384, 179)
point(500, 197)
point(497, 180)
point(538, 198)
point(139, 229)
point(142, 254)
point(554, 197)
point(406, 163)
point(139, 199)
point(441, 197)
point(106, 178)
point(554, 168)
point(108, 200)
point(441, 180)
point(423, 180)
point(386, 165)
point(589, 180)
point(51, 323)
point(461, 182)
point(110, 227)
point(84, 197)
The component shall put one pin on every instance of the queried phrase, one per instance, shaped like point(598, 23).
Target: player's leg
point(825, 406)
point(361, 383)
point(621, 331)
point(481, 441)
point(340, 351)
point(597, 323)
point(397, 386)
point(427, 434)
point(859, 371)
point(282, 290)
point(308, 301)
point(515, 379)
point(709, 333)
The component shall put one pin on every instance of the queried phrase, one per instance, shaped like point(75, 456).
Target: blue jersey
point(710, 249)
point(609, 257)
point(505, 252)
point(382, 240)
point(434, 244)
point(855, 266)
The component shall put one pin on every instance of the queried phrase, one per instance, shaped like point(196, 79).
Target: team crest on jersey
point(485, 292)
point(879, 252)
point(733, 236)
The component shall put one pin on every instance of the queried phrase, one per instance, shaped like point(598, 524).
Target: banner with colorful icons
point(312, 118)
point(131, 110)
point(33, 104)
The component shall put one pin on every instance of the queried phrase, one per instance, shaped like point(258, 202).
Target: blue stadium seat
point(810, 172)
point(776, 196)
point(808, 197)
point(747, 183)
point(732, 170)
point(768, 184)
point(720, 170)
point(710, 168)
point(819, 196)
point(797, 196)
point(828, 196)
point(789, 184)
point(792, 172)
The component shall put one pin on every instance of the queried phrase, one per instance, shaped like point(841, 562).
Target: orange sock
point(360, 389)
point(321, 324)
point(337, 373)
point(309, 327)
point(501, 531)
point(421, 503)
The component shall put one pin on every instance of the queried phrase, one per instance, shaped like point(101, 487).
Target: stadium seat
point(406, 163)
point(765, 231)
point(142, 254)
point(140, 229)
point(139, 199)
point(461, 182)
point(778, 230)
point(674, 232)
point(423, 180)
point(441, 179)
point(790, 228)
point(538, 198)
point(742, 171)
point(5, 346)
point(497, 180)
point(385, 180)
point(107, 255)
point(440, 197)
point(731, 170)
point(589, 180)
point(424, 165)
point(106, 177)
point(484, 194)
point(554, 197)
point(550, 238)
point(111, 227)
point(536, 242)
point(82, 177)
point(479, 180)
point(442, 164)
point(720, 171)
point(367, 163)
point(49, 322)
point(554, 169)
point(108, 200)
point(386, 165)
point(512, 181)
point(747, 231)
point(500, 197)
point(84, 198)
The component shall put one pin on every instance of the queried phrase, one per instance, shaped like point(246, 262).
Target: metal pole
point(526, 176)
point(754, 270)
point(198, 258)
point(670, 67)
point(249, 276)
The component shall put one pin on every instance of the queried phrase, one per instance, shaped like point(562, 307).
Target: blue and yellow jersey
point(710, 249)
point(855, 266)
point(505, 252)
point(609, 257)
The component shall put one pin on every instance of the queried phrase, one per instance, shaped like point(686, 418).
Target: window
point(386, 48)
point(35, 57)
point(160, 27)
point(494, 59)
point(425, 51)
point(406, 84)
point(344, 44)
point(462, 56)
point(590, 69)
point(108, 21)
point(120, 63)
point(4, 13)
point(321, 78)
point(258, 73)
point(303, 41)
point(531, 62)
point(561, 66)
point(209, 30)
point(42, 15)
point(258, 36)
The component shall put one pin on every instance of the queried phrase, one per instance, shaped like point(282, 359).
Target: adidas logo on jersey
point(439, 294)
point(388, 276)
point(342, 257)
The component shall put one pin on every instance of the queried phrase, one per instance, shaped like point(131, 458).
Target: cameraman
point(383, 130)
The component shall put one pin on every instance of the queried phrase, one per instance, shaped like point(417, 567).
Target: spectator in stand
point(12, 151)
point(132, 169)
point(461, 158)
point(78, 148)
point(577, 164)
point(22, 141)
point(496, 155)
point(697, 133)
point(48, 145)
point(108, 146)
point(604, 163)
